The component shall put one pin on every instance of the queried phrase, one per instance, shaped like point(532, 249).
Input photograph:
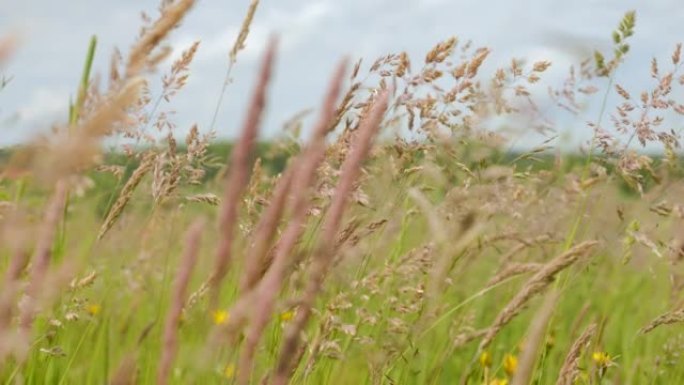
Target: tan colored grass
point(262, 300)
point(512, 270)
point(239, 172)
point(265, 231)
point(126, 194)
point(669, 318)
point(534, 340)
point(239, 44)
point(140, 53)
point(571, 369)
point(323, 256)
point(208, 198)
point(77, 152)
point(535, 285)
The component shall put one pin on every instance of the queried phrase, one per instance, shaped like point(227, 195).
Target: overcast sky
point(315, 34)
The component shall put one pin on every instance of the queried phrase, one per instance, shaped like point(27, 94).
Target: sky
point(315, 34)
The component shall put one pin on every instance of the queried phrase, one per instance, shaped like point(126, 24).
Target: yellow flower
point(286, 315)
point(221, 317)
point(486, 359)
point(93, 309)
point(602, 359)
point(499, 381)
point(229, 372)
point(510, 364)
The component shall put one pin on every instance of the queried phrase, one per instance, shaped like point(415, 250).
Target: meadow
point(397, 240)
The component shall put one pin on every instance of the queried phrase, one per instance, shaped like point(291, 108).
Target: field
point(395, 241)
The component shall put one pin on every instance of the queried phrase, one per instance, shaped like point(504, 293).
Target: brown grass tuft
point(171, 15)
point(570, 369)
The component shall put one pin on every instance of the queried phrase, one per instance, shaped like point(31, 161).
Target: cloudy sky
point(53, 38)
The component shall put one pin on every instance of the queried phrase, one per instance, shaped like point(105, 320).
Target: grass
point(343, 258)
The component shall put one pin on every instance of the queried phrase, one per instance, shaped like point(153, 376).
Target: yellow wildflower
point(93, 309)
point(286, 315)
point(499, 381)
point(510, 364)
point(221, 317)
point(602, 359)
point(486, 359)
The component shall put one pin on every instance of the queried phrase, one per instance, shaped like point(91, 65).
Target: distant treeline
point(274, 157)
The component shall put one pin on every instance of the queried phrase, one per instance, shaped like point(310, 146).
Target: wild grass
point(400, 244)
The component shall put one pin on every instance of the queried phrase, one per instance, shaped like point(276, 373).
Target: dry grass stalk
point(512, 270)
point(239, 44)
point(322, 258)
point(10, 288)
point(524, 243)
point(42, 255)
point(111, 110)
point(126, 194)
point(180, 287)
point(76, 152)
point(180, 71)
point(668, 318)
point(534, 340)
point(570, 369)
point(265, 293)
point(170, 17)
point(441, 51)
point(207, 198)
point(11, 285)
point(265, 231)
point(125, 373)
point(535, 285)
point(345, 105)
point(239, 173)
point(78, 284)
point(464, 338)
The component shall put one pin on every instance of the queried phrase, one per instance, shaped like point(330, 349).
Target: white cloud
point(44, 106)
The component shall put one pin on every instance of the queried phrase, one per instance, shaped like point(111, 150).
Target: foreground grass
point(377, 321)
